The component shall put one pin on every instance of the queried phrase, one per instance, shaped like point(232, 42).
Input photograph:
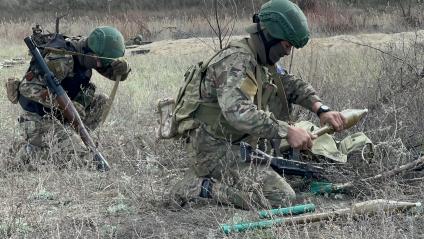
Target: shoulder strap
point(259, 81)
point(258, 71)
point(205, 65)
point(282, 94)
point(242, 44)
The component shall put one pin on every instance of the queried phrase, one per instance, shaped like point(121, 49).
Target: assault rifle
point(65, 104)
point(281, 165)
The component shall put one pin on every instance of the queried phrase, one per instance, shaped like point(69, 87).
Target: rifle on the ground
point(281, 165)
point(65, 104)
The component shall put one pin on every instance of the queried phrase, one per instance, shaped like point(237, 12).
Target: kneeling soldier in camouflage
point(240, 94)
point(71, 60)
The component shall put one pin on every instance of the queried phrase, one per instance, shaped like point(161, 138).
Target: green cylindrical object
point(368, 208)
point(321, 187)
point(298, 209)
point(327, 187)
point(241, 227)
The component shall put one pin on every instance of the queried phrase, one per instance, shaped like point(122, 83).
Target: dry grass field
point(381, 72)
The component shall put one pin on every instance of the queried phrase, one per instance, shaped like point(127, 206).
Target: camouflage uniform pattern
point(40, 133)
point(230, 81)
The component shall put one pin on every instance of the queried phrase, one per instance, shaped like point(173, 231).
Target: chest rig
point(191, 111)
point(73, 83)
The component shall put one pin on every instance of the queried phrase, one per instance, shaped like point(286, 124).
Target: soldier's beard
point(275, 52)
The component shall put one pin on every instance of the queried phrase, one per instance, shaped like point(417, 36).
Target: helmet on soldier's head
point(285, 21)
point(107, 42)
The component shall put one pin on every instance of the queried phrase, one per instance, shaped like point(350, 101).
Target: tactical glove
point(120, 67)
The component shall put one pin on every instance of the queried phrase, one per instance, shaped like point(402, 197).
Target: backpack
point(176, 115)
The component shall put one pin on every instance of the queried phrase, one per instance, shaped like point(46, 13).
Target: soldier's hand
point(333, 118)
point(299, 138)
point(120, 67)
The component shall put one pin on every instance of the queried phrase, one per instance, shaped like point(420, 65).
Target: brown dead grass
point(130, 200)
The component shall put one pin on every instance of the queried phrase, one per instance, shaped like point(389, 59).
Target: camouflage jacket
point(73, 71)
point(231, 81)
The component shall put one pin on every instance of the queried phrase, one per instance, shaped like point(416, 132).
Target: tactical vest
point(190, 110)
point(71, 84)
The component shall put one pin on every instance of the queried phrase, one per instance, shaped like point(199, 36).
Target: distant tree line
point(13, 6)
point(25, 9)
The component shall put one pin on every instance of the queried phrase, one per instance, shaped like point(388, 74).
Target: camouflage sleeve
point(297, 90)
point(236, 88)
point(33, 87)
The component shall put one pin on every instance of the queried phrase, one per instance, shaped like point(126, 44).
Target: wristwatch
point(323, 109)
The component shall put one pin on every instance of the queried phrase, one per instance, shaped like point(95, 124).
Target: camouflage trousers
point(236, 183)
point(48, 138)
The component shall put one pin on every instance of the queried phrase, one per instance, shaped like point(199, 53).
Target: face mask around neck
point(276, 52)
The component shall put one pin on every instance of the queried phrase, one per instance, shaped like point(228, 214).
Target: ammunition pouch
point(167, 125)
point(32, 106)
point(12, 89)
point(215, 123)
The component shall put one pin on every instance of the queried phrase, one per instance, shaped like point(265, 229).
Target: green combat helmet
point(285, 21)
point(107, 42)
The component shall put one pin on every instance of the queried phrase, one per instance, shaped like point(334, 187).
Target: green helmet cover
point(107, 42)
point(284, 20)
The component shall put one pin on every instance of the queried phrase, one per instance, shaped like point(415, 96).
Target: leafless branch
point(412, 67)
point(58, 20)
point(221, 25)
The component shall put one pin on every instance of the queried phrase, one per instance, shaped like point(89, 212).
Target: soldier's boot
point(187, 190)
point(196, 189)
point(25, 155)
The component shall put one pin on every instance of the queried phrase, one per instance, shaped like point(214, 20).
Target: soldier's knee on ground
point(192, 187)
point(27, 152)
point(276, 189)
point(187, 189)
point(227, 195)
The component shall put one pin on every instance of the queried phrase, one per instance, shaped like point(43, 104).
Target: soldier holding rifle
point(49, 112)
